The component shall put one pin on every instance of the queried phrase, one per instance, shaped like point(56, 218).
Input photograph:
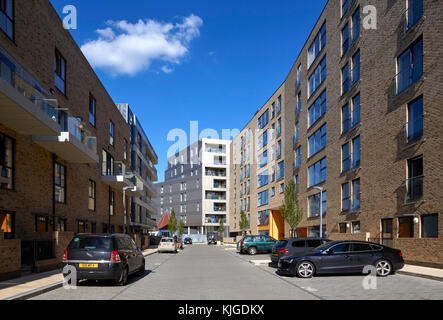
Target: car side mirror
point(328, 252)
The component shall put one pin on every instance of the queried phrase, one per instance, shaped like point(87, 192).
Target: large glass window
point(345, 79)
point(414, 13)
point(346, 197)
point(111, 133)
point(410, 66)
point(60, 72)
point(263, 120)
point(414, 127)
point(429, 226)
point(263, 198)
point(317, 141)
point(345, 39)
point(356, 153)
point(60, 183)
point(317, 109)
point(298, 75)
point(317, 172)
point(317, 45)
point(345, 157)
point(92, 195)
point(7, 17)
point(414, 183)
point(263, 140)
point(356, 110)
point(7, 164)
point(298, 103)
point(263, 159)
point(346, 118)
point(263, 178)
point(356, 67)
point(356, 195)
point(298, 157)
point(356, 25)
point(281, 170)
point(279, 150)
point(279, 105)
point(92, 110)
point(314, 204)
point(317, 77)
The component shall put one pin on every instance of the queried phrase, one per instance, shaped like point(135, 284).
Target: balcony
point(75, 144)
point(25, 106)
point(152, 172)
point(148, 205)
point(116, 176)
point(409, 75)
point(215, 196)
point(414, 189)
point(414, 130)
point(138, 190)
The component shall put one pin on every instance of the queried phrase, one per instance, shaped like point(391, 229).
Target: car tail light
point(400, 254)
point(115, 256)
point(243, 244)
point(65, 255)
point(283, 251)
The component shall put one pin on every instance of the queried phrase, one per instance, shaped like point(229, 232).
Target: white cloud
point(129, 48)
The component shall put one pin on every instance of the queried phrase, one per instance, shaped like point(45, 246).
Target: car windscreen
point(281, 244)
point(92, 243)
point(323, 246)
point(167, 240)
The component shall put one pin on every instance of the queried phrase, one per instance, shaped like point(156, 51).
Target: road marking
point(310, 289)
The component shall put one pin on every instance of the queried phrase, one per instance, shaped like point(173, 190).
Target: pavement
point(38, 283)
point(212, 273)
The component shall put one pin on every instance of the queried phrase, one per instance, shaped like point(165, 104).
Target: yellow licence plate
point(275, 254)
point(88, 265)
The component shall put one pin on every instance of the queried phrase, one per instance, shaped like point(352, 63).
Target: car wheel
point(123, 278)
point(252, 251)
point(305, 269)
point(383, 267)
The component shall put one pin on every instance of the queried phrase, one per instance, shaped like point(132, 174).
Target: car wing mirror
point(328, 252)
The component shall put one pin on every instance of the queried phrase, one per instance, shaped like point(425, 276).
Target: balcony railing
point(215, 197)
point(414, 130)
point(117, 169)
point(410, 75)
point(77, 128)
point(414, 189)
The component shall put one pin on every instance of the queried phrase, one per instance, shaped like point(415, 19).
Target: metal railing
point(410, 75)
point(414, 130)
point(116, 169)
point(36, 250)
point(77, 128)
point(414, 189)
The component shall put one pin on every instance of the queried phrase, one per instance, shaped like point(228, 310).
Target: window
point(278, 127)
point(360, 247)
point(298, 75)
point(317, 77)
point(346, 198)
point(297, 132)
point(356, 227)
point(263, 159)
point(356, 25)
point(279, 149)
point(345, 157)
point(281, 170)
point(7, 165)
point(317, 141)
point(342, 247)
point(356, 67)
point(413, 13)
point(406, 227)
point(282, 188)
point(343, 227)
point(273, 174)
point(125, 149)
point(111, 133)
point(263, 218)
point(414, 127)
point(111, 202)
point(429, 226)
point(345, 39)
point(92, 110)
point(263, 179)
point(7, 224)
point(317, 173)
point(414, 183)
point(410, 66)
point(317, 109)
point(273, 110)
point(298, 244)
point(346, 118)
point(263, 120)
point(298, 103)
point(345, 6)
point(263, 198)
point(356, 153)
point(60, 72)
point(298, 157)
point(314, 205)
point(345, 79)
point(107, 164)
point(92, 195)
point(41, 224)
point(81, 226)
point(272, 191)
point(317, 46)
point(356, 110)
point(279, 105)
point(356, 195)
point(62, 225)
point(262, 141)
point(60, 183)
point(7, 17)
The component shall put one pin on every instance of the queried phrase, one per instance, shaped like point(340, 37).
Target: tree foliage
point(172, 226)
point(244, 223)
point(290, 210)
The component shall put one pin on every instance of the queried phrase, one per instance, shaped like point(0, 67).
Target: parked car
point(294, 247)
point(104, 256)
point(167, 244)
point(343, 257)
point(188, 241)
point(256, 244)
point(212, 240)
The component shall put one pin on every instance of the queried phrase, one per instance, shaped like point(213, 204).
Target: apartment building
point(62, 142)
point(142, 174)
point(196, 186)
point(363, 112)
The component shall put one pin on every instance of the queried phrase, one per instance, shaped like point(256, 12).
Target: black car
point(104, 256)
point(212, 240)
point(188, 241)
point(343, 257)
point(295, 247)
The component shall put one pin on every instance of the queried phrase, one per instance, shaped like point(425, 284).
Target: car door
point(363, 255)
point(269, 243)
point(336, 259)
point(137, 254)
point(129, 253)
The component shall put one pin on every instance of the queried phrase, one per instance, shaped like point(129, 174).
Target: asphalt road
point(202, 272)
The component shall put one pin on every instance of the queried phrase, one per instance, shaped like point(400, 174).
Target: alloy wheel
point(383, 268)
point(305, 270)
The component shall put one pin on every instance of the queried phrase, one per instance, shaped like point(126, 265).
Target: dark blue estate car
point(343, 257)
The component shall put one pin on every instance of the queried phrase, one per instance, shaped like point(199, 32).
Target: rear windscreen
point(281, 244)
point(167, 240)
point(91, 243)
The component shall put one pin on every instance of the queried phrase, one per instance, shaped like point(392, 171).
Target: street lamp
point(124, 205)
point(321, 210)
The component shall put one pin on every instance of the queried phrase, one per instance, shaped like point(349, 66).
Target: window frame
point(61, 186)
point(12, 141)
point(10, 19)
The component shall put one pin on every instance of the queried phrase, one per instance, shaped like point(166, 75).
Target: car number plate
point(88, 265)
point(275, 254)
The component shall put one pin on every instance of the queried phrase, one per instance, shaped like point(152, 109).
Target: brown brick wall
point(10, 265)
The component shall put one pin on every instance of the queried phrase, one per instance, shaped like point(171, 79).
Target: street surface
point(202, 272)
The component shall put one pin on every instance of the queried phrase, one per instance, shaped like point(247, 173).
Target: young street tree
point(244, 223)
point(290, 210)
point(221, 228)
point(172, 226)
point(181, 228)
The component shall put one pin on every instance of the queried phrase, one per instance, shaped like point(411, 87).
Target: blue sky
point(214, 61)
